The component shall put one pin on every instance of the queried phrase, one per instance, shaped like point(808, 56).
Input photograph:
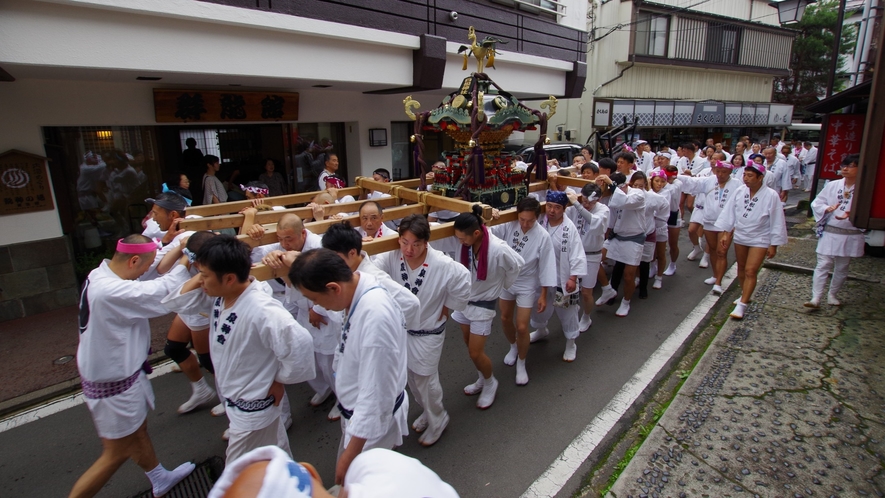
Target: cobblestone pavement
point(787, 402)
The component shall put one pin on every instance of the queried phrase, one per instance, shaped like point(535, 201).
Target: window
point(722, 43)
point(651, 34)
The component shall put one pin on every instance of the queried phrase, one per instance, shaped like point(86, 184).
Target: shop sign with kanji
point(195, 106)
point(24, 183)
point(841, 137)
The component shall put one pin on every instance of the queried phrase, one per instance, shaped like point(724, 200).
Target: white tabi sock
point(607, 287)
point(163, 480)
point(200, 385)
point(511, 356)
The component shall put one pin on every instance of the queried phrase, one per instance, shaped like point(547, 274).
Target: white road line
point(569, 461)
point(63, 403)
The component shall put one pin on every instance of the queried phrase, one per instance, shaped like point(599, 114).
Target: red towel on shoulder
point(482, 260)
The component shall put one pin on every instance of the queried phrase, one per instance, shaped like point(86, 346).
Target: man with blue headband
point(570, 265)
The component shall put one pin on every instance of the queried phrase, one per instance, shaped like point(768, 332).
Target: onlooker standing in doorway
point(213, 189)
point(193, 166)
point(276, 183)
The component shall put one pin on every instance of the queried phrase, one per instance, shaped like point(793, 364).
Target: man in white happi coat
point(440, 284)
point(372, 222)
point(646, 158)
point(256, 344)
point(628, 234)
point(532, 242)
point(112, 360)
point(571, 264)
point(371, 374)
point(493, 267)
point(793, 165)
point(715, 190)
point(810, 164)
point(293, 237)
point(777, 174)
point(591, 221)
point(839, 240)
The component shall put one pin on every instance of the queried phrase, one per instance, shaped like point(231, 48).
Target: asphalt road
point(494, 453)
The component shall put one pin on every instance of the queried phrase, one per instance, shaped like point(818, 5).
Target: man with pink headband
point(112, 359)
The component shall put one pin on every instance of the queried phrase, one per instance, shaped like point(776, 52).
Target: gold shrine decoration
point(196, 106)
point(24, 183)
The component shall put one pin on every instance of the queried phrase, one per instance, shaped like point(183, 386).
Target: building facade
point(682, 70)
point(80, 79)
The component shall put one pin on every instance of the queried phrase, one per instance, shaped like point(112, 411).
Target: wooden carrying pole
point(381, 244)
point(290, 199)
point(269, 217)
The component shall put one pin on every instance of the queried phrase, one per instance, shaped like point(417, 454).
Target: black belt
point(347, 414)
point(489, 305)
point(437, 331)
point(638, 239)
point(593, 253)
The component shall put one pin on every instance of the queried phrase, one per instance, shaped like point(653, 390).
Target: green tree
point(812, 57)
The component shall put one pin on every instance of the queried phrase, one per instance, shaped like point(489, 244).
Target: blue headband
point(168, 190)
point(557, 197)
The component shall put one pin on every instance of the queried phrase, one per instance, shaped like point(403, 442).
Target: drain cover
point(196, 485)
point(64, 359)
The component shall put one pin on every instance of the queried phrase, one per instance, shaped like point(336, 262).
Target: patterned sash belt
point(101, 390)
point(347, 414)
point(842, 231)
point(437, 331)
point(256, 405)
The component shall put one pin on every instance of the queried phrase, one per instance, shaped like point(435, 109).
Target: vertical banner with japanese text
point(841, 136)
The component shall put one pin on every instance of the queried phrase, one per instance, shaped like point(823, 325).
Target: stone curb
point(25, 402)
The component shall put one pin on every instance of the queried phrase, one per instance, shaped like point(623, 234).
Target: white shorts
point(648, 252)
point(195, 322)
point(525, 298)
point(477, 327)
point(662, 234)
point(588, 281)
point(697, 215)
point(119, 416)
point(624, 251)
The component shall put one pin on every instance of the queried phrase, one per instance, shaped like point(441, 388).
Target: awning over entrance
point(854, 95)
point(688, 114)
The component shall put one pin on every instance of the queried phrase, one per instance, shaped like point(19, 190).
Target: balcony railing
point(715, 42)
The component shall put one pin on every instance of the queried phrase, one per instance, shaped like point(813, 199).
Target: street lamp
point(790, 11)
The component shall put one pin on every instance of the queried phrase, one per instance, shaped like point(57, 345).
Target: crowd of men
point(363, 328)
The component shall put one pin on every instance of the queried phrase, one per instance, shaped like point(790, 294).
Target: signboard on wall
point(602, 113)
point(195, 106)
point(709, 114)
point(24, 183)
point(841, 136)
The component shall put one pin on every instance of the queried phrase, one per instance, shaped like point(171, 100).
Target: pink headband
point(123, 247)
point(254, 190)
point(725, 165)
point(657, 174)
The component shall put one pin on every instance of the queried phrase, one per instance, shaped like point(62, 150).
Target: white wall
point(744, 10)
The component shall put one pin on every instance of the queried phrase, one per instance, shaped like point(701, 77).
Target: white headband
point(283, 477)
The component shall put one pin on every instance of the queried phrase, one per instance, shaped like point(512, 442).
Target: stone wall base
point(36, 277)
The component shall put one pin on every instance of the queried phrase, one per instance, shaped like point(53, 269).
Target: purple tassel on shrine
point(540, 163)
point(418, 172)
point(479, 170)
